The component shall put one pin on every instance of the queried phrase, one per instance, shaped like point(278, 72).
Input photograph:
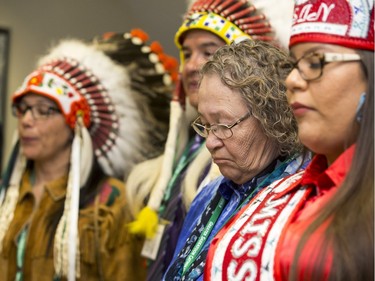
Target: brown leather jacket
point(116, 254)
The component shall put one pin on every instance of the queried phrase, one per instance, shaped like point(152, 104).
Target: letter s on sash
point(247, 267)
point(251, 246)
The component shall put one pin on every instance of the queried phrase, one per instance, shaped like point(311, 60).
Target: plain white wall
point(36, 24)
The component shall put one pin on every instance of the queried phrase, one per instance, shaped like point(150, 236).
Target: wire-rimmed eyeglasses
point(38, 111)
point(221, 131)
point(310, 66)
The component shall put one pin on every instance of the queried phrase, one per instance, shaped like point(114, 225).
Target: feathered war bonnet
point(153, 75)
point(94, 94)
point(267, 20)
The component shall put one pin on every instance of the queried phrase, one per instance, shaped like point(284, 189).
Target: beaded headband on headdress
point(47, 81)
point(230, 19)
point(348, 23)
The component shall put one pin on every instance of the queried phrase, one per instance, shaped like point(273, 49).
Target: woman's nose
point(294, 80)
point(213, 142)
point(27, 116)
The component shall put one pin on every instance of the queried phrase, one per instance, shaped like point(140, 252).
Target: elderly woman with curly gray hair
point(252, 136)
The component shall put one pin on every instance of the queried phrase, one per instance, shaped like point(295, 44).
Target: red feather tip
point(140, 34)
point(156, 47)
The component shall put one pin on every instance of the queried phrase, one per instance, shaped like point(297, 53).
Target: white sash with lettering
point(247, 250)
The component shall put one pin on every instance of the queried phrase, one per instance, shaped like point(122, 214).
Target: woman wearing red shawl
point(318, 224)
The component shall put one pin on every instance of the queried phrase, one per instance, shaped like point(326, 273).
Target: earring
point(358, 115)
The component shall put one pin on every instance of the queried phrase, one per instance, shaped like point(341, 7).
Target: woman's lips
point(219, 161)
point(26, 140)
point(299, 109)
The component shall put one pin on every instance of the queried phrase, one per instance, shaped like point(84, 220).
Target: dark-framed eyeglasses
point(310, 66)
point(38, 111)
point(221, 131)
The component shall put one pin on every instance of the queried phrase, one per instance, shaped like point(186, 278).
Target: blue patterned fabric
point(205, 200)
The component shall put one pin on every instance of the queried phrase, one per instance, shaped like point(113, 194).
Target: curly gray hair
point(258, 71)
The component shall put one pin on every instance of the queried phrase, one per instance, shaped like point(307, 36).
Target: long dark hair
point(350, 232)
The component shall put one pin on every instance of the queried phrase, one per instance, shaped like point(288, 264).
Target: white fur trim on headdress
point(169, 155)
point(146, 222)
point(140, 182)
point(66, 247)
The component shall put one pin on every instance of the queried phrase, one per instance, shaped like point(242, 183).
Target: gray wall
point(36, 24)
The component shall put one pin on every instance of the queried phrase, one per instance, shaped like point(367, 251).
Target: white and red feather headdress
point(102, 104)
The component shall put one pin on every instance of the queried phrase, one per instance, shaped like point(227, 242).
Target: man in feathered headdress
point(169, 183)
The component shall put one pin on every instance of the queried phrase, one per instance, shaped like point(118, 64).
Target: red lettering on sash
point(243, 259)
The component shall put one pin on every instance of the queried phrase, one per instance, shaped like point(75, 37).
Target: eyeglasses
point(38, 111)
point(310, 66)
point(221, 131)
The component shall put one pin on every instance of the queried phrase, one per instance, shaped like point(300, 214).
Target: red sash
point(245, 248)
